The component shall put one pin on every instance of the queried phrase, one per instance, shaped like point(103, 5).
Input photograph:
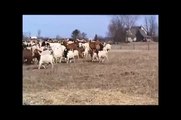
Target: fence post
point(148, 45)
point(133, 45)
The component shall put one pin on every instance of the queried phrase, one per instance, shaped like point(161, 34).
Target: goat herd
point(56, 51)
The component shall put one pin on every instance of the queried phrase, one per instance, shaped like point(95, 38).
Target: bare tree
point(115, 29)
point(129, 20)
point(25, 36)
point(29, 34)
point(95, 37)
point(39, 33)
point(101, 38)
point(84, 35)
point(146, 24)
point(118, 26)
point(152, 22)
point(151, 25)
point(58, 37)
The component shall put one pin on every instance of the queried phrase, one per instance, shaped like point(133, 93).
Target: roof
point(143, 33)
point(135, 29)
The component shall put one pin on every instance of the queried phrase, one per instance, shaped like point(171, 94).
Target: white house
point(137, 33)
point(33, 37)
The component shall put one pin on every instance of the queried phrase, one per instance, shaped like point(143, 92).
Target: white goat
point(69, 42)
point(76, 53)
point(70, 55)
point(86, 52)
point(58, 53)
point(85, 45)
point(56, 45)
point(94, 56)
point(80, 44)
point(102, 55)
point(46, 57)
point(107, 47)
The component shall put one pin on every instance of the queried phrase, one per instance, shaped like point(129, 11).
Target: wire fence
point(136, 46)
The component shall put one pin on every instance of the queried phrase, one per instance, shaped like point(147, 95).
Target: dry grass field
point(130, 77)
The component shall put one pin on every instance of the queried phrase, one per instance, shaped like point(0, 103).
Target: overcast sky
point(63, 25)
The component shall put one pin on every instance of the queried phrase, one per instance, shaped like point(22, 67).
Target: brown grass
point(129, 78)
point(136, 46)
